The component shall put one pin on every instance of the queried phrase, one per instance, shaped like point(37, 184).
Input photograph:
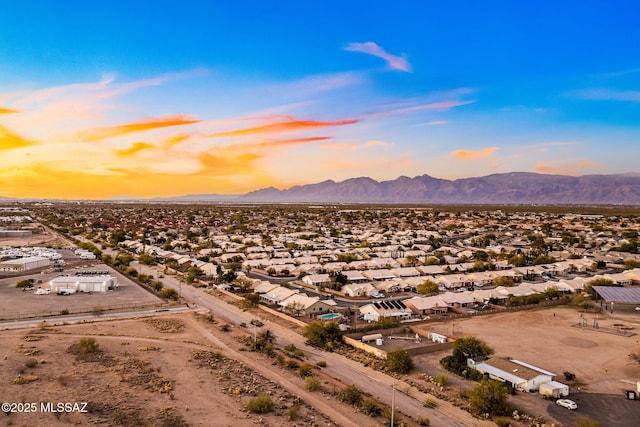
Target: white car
point(41, 291)
point(566, 403)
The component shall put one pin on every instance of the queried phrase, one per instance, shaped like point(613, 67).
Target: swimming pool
point(330, 316)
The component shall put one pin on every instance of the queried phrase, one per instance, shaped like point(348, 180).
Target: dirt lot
point(553, 340)
point(14, 303)
point(166, 371)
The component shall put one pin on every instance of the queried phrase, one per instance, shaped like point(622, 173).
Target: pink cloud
point(438, 122)
point(556, 167)
point(474, 155)
point(394, 62)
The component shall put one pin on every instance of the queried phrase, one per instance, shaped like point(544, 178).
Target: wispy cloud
point(558, 167)
point(438, 122)
point(620, 73)
point(99, 134)
point(607, 95)
point(474, 155)
point(437, 106)
point(7, 110)
point(135, 148)
point(544, 147)
point(10, 140)
point(394, 62)
point(281, 127)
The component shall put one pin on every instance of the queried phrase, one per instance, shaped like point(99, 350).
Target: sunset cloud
point(9, 140)
point(438, 122)
point(7, 110)
point(394, 62)
point(135, 148)
point(474, 155)
point(99, 134)
point(281, 127)
point(557, 167)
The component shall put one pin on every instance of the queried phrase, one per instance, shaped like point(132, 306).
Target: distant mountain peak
point(503, 188)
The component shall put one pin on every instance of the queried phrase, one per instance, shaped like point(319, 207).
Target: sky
point(148, 99)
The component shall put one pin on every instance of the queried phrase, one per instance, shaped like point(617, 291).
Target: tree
point(323, 334)
point(26, 283)
point(601, 281)
point(251, 299)
point(517, 261)
point(428, 287)
point(463, 349)
point(505, 281)
point(489, 397)
point(399, 361)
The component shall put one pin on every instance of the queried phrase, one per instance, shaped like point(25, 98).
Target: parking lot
point(16, 304)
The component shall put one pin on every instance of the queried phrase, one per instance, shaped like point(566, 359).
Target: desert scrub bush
point(569, 376)
point(441, 379)
point(292, 412)
point(321, 363)
point(312, 383)
point(423, 421)
point(371, 407)
point(304, 370)
point(351, 395)
point(430, 403)
point(88, 345)
point(503, 422)
point(261, 404)
point(31, 363)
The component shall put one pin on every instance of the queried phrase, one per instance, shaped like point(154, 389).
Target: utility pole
point(393, 400)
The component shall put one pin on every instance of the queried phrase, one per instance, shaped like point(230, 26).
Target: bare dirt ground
point(552, 339)
point(171, 371)
point(46, 238)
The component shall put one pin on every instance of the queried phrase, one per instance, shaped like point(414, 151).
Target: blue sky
point(139, 99)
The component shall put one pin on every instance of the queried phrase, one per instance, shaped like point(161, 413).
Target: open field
point(14, 303)
point(550, 339)
point(171, 371)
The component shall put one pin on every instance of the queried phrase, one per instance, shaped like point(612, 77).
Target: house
point(424, 306)
point(378, 275)
point(301, 304)
point(317, 280)
point(385, 309)
point(278, 294)
point(519, 375)
point(358, 289)
point(355, 276)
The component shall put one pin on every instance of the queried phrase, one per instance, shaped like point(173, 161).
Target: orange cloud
point(9, 140)
point(474, 155)
point(99, 134)
point(136, 147)
point(282, 127)
point(564, 168)
point(174, 140)
point(7, 110)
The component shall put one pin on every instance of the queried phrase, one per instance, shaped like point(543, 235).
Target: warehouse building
point(83, 283)
point(19, 265)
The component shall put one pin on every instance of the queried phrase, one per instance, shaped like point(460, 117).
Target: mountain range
point(515, 188)
point(508, 188)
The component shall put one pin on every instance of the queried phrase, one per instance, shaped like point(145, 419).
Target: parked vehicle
point(566, 403)
point(377, 295)
point(41, 291)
